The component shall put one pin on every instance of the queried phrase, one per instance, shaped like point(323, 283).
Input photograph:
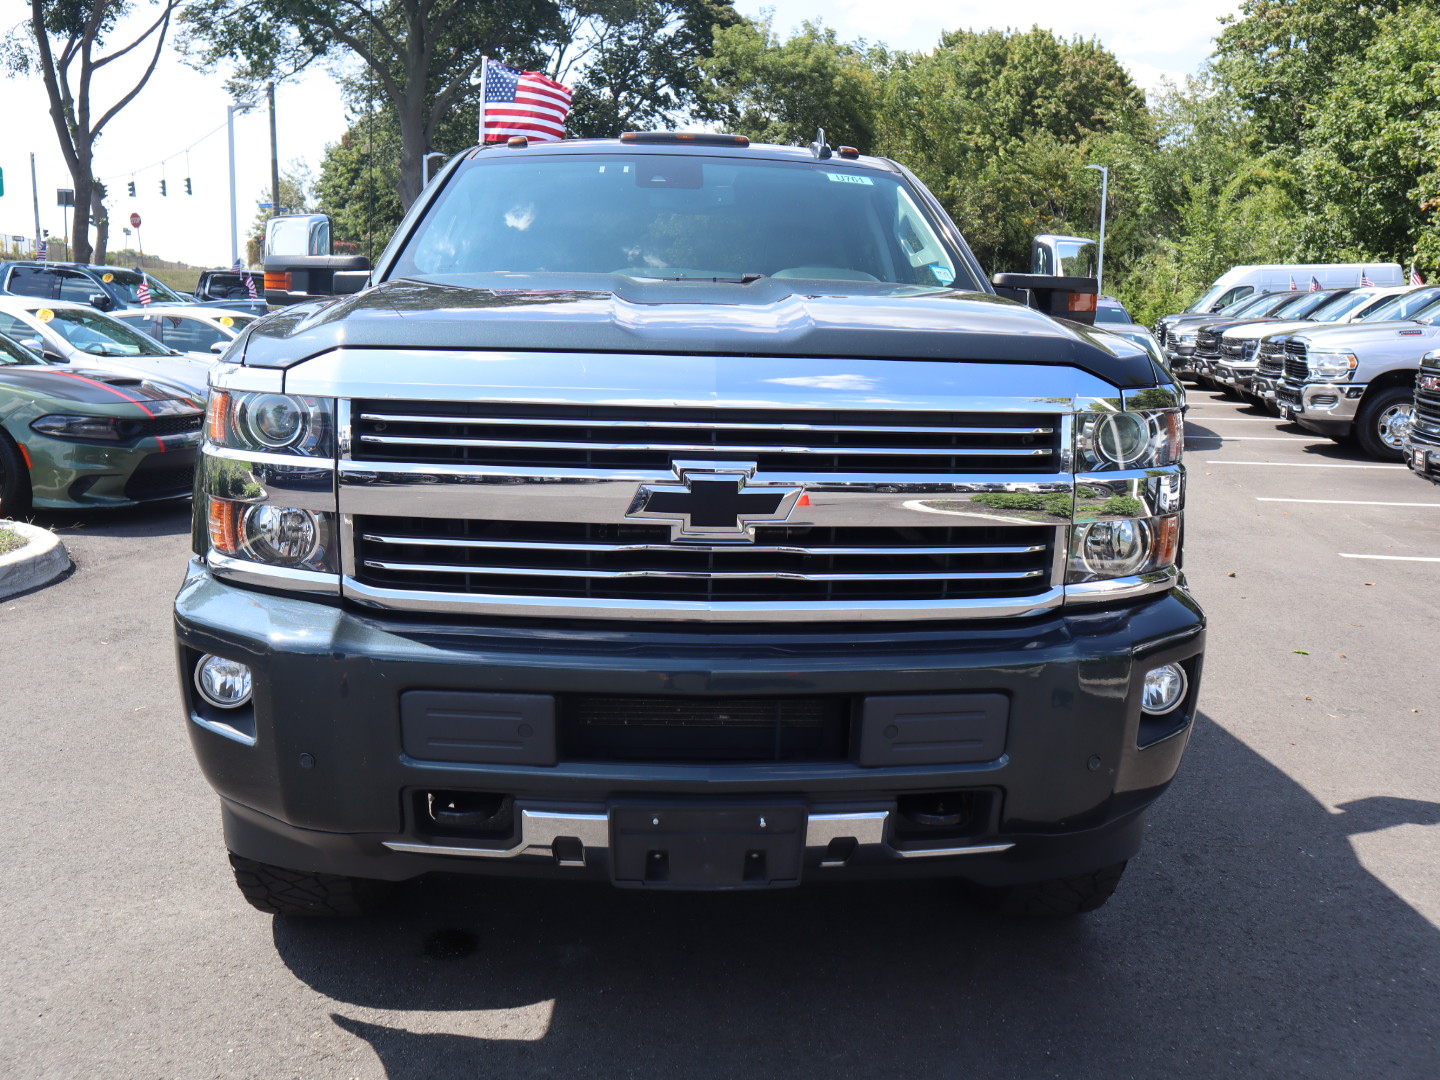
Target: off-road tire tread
point(1058, 896)
point(278, 891)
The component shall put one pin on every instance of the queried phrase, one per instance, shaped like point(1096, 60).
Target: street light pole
point(1104, 171)
point(230, 111)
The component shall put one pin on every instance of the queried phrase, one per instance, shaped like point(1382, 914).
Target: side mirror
point(217, 347)
point(101, 302)
point(1072, 298)
point(34, 344)
point(347, 282)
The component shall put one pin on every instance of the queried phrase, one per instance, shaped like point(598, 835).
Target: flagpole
point(484, 74)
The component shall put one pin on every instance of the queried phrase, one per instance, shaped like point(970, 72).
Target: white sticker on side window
point(850, 178)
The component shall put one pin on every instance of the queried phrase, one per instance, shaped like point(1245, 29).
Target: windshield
point(1295, 306)
point(124, 285)
point(1430, 314)
point(1112, 314)
point(679, 218)
point(1341, 306)
point(12, 352)
point(1403, 306)
point(99, 334)
point(1251, 305)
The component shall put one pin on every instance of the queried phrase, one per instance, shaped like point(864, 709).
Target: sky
point(181, 108)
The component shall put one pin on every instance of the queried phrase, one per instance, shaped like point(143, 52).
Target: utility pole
point(275, 207)
point(35, 194)
point(1104, 171)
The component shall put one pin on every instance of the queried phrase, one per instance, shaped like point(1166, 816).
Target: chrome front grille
point(1297, 364)
point(546, 437)
point(1272, 360)
point(1427, 399)
point(639, 562)
point(1159, 332)
point(1237, 351)
point(1207, 345)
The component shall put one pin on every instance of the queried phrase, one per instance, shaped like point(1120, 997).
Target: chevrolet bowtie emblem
point(712, 502)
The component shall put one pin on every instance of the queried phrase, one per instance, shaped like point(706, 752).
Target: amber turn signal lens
point(279, 281)
point(225, 526)
point(1082, 301)
point(217, 418)
point(1167, 540)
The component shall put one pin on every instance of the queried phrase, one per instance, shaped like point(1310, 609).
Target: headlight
point(1123, 547)
point(284, 536)
point(86, 428)
point(277, 423)
point(1331, 364)
point(1133, 439)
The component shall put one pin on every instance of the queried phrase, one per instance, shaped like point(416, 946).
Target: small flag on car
point(1293, 286)
point(143, 294)
point(1314, 283)
point(515, 102)
point(250, 286)
point(1365, 282)
point(1415, 278)
point(41, 251)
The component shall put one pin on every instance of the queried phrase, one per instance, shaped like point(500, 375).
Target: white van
point(1242, 281)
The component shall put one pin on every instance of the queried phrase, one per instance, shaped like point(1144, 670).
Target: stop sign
point(134, 221)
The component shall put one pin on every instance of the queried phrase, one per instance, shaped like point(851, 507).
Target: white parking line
point(1345, 502)
point(1390, 558)
point(1303, 465)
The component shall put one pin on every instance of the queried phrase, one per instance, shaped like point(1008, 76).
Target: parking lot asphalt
point(1283, 919)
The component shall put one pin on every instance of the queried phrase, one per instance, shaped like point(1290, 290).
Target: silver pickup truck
point(1359, 380)
point(1422, 448)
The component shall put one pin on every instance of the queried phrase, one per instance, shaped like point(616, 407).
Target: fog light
point(1164, 689)
point(223, 683)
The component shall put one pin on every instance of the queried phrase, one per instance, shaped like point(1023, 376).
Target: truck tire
point(278, 891)
point(1058, 896)
point(1383, 422)
point(14, 480)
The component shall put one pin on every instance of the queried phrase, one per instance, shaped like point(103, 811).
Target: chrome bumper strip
point(541, 830)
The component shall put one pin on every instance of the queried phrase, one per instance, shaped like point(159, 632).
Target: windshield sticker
point(943, 274)
point(226, 320)
point(850, 178)
point(45, 314)
point(107, 278)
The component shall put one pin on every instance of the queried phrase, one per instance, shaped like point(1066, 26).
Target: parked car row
point(103, 410)
point(114, 288)
point(1338, 362)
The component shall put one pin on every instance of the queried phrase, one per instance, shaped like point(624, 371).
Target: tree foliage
point(66, 45)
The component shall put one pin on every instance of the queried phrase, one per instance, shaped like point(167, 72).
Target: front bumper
point(1422, 454)
point(315, 775)
point(69, 473)
point(1237, 376)
point(1326, 408)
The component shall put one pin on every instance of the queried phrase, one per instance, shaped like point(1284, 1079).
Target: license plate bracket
point(690, 846)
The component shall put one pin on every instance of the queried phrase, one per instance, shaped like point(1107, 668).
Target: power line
point(169, 157)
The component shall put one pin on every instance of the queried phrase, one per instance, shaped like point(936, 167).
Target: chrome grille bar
point(764, 549)
point(530, 421)
point(703, 575)
point(696, 448)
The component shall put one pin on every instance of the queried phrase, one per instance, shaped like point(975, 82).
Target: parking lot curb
point(39, 562)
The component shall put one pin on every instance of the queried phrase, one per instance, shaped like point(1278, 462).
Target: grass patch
point(10, 540)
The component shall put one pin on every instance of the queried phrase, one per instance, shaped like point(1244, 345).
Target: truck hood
point(1368, 335)
point(1247, 331)
point(763, 318)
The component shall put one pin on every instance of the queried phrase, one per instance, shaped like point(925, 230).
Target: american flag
point(1293, 286)
point(1365, 282)
point(1415, 278)
point(143, 294)
point(522, 103)
point(41, 250)
point(249, 281)
point(1314, 283)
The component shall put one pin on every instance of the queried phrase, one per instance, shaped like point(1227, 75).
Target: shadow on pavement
point(1247, 940)
point(151, 519)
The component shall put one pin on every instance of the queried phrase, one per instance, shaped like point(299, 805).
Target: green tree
point(783, 92)
point(66, 45)
point(420, 56)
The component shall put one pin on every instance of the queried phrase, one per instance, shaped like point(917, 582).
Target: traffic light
point(187, 186)
point(162, 187)
point(131, 186)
